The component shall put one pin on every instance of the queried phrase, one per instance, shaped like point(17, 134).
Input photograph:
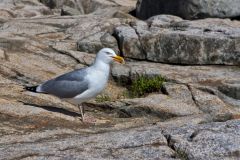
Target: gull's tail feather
point(31, 89)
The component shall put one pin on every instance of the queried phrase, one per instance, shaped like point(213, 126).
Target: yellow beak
point(118, 59)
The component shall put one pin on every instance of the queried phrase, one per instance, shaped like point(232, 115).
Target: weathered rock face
point(189, 9)
point(94, 43)
point(188, 142)
point(209, 141)
point(77, 7)
point(162, 106)
point(206, 75)
point(231, 88)
point(129, 42)
point(198, 84)
point(129, 144)
point(172, 40)
point(22, 8)
point(169, 124)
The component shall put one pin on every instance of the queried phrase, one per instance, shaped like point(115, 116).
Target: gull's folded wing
point(67, 85)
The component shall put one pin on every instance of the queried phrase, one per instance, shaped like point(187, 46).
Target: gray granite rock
point(38, 126)
point(231, 88)
point(22, 8)
point(195, 39)
point(144, 142)
point(160, 105)
point(68, 11)
point(207, 141)
point(213, 105)
point(169, 39)
point(79, 7)
point(128, 42)
point(192, 85)
point(188, 9)
point(212, 75)
point(94, 43)
point(178, 91)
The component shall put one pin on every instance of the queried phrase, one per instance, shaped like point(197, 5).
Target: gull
point(83, 84)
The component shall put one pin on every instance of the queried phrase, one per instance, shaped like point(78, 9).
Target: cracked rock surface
point(195, 115)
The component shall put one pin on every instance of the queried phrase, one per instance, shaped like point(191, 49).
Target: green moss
point(181, 154)
point(139, 87)
point(143, 84)
point(102, 98)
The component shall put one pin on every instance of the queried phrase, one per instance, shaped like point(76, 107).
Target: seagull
point(83, 84)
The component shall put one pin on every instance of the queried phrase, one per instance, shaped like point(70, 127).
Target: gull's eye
point(108, 53)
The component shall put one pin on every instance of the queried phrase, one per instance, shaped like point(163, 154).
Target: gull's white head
point(107, 55)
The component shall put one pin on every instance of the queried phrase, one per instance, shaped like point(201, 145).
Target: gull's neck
point(101, 66)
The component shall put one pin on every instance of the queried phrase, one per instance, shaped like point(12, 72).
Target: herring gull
point(83, 84)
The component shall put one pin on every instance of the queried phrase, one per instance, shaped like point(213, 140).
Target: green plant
point(143, 84)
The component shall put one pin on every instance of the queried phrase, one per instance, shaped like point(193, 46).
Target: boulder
point(95, 42)
point(188, 9)
point(171, 40)
point(128, 42)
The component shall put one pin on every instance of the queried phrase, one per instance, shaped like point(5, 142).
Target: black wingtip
point(31, 89)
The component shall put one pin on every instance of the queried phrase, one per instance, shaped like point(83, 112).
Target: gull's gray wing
point(67, 85)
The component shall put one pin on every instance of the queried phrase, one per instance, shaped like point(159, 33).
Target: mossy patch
point(181, 154)
point(102, 98)
point(144, 84)
point(139, 87)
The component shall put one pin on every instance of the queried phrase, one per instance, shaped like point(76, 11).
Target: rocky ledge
point(194, 115)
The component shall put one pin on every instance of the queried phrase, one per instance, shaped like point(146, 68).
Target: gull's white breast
point(97, 82)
